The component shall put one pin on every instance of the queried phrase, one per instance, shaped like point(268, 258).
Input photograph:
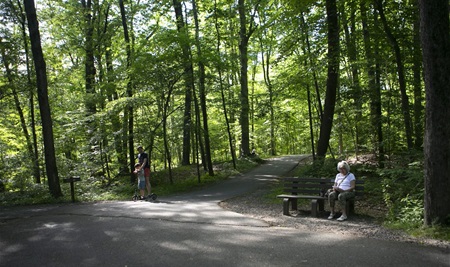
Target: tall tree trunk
point(244, 37)
point(352, 53)
point(111, 95)
point(44, 106)
point(307, 51)
point(400, 73)
point(35, 153)
point(115, 119)
point(265, 62)
point(374, 88)
point(435, 39)
point(166, 101)
point(189, 82)
point(252, 106)
point(311, 130)
point(312, 63)
point(219, 70)
point(89, 65)
point(201, 67)
point(130, 108)
point(198, 140)
point(417, 83)
point(332, 80)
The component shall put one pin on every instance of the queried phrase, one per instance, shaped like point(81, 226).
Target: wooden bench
point(314, 189)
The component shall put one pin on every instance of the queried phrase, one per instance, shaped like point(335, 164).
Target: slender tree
point(400, 72)
point(370, 50)
point(267, 45)
point(332, 80)
point(130, 108)
point(89, 71)
point(202, 75)
point(221, 84)
point(349, 25)
point(44, 106)
point(245, 32)
point(417, 83)
point(188, 79)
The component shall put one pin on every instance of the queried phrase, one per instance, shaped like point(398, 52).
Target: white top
point(343, 181)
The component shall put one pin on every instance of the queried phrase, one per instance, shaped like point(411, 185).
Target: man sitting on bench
point(343, 189)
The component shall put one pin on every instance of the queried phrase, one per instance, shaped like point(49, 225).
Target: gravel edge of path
point(255, 205)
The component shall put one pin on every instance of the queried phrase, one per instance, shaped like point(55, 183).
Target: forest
point(197, 83)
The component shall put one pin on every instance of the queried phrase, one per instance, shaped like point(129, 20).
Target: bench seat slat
point(301, 196)
point(308, 185)
point(295, 179)
point(303, 191)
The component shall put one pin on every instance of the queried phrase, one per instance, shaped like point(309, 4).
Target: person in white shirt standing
point(343, 189)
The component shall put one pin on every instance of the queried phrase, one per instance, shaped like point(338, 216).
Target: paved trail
point(188, 230)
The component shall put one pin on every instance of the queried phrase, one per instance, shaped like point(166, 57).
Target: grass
point(437, 232)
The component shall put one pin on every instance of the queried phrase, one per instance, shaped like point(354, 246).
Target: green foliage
point(417, 229)
point(299, 6)
point(31, 195)
point(98, 188)
point(319, 168)
point(403, 193)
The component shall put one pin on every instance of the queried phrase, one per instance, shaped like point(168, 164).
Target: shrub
point(403, 193)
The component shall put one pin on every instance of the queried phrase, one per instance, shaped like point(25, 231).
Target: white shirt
point(343, 181)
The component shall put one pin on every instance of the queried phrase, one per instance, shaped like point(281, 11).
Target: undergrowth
point(397, 188)
point(97, 188)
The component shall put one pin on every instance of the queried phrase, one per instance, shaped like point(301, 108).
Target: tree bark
point(243, 58)
point(332, 81)
point(35, 154)
point(113, 95)
point(189, 83)
point(417, 82)
point(44, 106)
point(224, 105)
point(435, 39)
point(266, 54)
point(352, 54)
point(400, 73)
point(202, 75)
point(166, 102)
point(89, 60)
point(312, 63)
point(130, 125)
point(374, 88)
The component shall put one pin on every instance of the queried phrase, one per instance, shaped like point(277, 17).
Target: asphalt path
point(188, 230)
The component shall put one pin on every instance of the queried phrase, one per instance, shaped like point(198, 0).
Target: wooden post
point(71, 180)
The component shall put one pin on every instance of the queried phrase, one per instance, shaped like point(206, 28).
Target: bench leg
point(314, 207)
point(350, 206)
point(294, 202)
point(286, 206)
point(321, 204)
